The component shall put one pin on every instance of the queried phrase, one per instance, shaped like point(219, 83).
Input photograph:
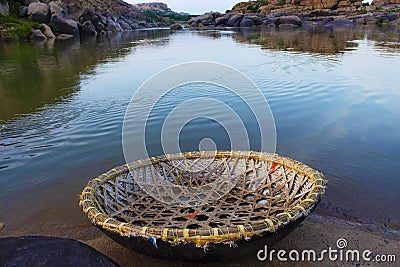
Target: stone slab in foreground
point(49, 251)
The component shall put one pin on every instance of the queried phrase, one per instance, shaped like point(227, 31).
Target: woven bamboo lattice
point(264, 193)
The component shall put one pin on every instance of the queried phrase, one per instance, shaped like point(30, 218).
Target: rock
point(48, 32)
point(124, 25)
point(288, 26)
point(288, 20)
point(61, 19)
point(4, 9)
point(88, 28)
point(340, 23)
point(221, 21)
point(200, 18)
point(23, 11)
point(256, 20)
point(134, 25)
point(370, 20)
point(2, 225)
point(176, 27)
point(38, 36)
point(207, 22)
point(113, 26)
point(370, 8)
point(396, 22)
point(360, 21)
point(64, 36)
point(49, 251)
point(322, 12)
point(247, 23)
point(234, 21)
point(39, 12)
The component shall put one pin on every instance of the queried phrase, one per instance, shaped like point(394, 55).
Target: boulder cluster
point(53, 17)
point(315, 18)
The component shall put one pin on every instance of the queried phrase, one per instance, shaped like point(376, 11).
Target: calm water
point(334, 95)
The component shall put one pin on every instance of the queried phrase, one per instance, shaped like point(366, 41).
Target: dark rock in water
point(221, 21)
point(64, 23)
point(234, 21)
point(326, 20)
point(207, 22)
point(38, 36)
point(288, 26)
point(370, 20)
point(48, 32)
point(113, 26)
point(341, 23)
point(88, 28)
point(64, 36)
point(247, 23)
point(288, 20)
point(256, 20)
point(49, 251)
point(124, 25)
point(176, 27)
point(39, 12)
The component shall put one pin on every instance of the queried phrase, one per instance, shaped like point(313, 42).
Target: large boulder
point(125, 25)
point(234, 21)
point(257, 20)
point(48, 32)
point(38, 36)
point(247, 23)
point(113, 26)
point(88, 28)
point(294, 20)
point(4, 9)
point(64, 23)
point(200, 18)
point(221, 21)
point(39, 12)
point(176, 27)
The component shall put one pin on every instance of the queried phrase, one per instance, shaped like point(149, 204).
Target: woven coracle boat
point(203, 206)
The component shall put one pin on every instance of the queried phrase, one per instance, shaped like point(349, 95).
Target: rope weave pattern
point(269, 191)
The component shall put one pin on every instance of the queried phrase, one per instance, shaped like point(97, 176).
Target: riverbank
point(324, 19)
point(317, 232)
point(39, 21)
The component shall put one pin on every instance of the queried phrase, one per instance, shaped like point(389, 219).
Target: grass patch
point(19, 29)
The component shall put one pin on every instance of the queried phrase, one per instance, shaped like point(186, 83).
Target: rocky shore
point(304, 14)
point(65, 19)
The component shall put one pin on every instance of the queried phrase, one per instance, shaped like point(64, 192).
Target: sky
point(194, 7)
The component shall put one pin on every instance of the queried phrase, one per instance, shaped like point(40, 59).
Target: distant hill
point(161, 9)
point(157, 6)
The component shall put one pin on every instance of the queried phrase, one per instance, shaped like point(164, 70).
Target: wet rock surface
point(49, 251)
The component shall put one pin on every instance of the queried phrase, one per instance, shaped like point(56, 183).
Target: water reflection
point(32, 76)
point(328, 42)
